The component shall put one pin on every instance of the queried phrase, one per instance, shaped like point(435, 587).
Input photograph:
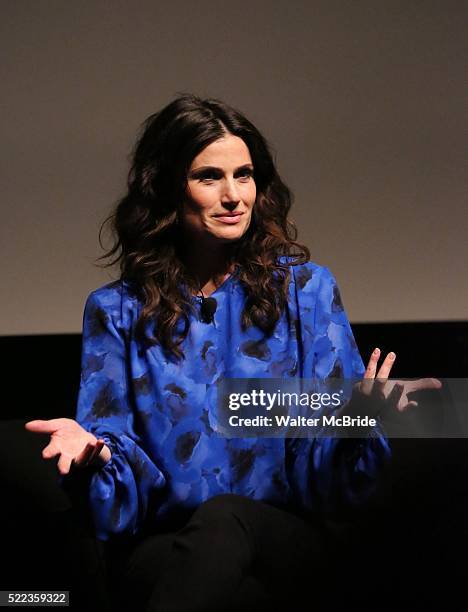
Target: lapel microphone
point(208, 308)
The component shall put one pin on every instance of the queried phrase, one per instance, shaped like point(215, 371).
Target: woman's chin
point(228, 234)
point(230, 237)
point(215, 236)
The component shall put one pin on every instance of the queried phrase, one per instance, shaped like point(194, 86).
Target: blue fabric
point(154, 413)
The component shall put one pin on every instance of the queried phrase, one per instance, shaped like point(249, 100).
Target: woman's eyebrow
point(248, 165)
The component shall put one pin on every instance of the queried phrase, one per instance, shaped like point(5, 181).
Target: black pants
point(234, 553)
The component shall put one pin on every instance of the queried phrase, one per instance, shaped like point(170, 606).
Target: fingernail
point(376, 351)
point(392, 355)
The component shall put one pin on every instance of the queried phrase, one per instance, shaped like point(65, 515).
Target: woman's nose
point(230, 192)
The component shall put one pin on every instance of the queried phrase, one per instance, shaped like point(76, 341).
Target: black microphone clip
point(208, 309)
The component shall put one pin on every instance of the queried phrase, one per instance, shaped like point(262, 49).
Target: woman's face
point(221, 192)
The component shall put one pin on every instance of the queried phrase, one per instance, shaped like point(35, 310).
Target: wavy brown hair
point(147, 242)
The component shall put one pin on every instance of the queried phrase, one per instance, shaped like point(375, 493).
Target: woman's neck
point(209, 269)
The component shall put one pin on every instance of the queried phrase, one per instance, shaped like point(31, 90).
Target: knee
point(223, 522)
point(223, 506)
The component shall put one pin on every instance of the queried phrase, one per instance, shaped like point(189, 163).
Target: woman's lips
point(229, 219)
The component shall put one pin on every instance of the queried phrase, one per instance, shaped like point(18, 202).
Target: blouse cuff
point(120, 490)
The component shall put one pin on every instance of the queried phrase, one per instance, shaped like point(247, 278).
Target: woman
point(206, 216)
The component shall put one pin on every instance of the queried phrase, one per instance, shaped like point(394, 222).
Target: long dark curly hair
point(147, 241)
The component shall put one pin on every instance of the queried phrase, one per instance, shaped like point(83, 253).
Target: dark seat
point(46, 536)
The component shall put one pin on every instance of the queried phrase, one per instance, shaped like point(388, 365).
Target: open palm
point(75, 446)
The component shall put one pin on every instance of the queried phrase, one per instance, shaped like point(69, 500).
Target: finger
point(386, 366)
point(372, 365)
point(96, 452)
point(411, 404)
point(50, 451)
point(367, 383)
point(83, 457)
point(64, 464)
point(394, 397)
point(425, 383)
point(39, 426)
point(90, 452)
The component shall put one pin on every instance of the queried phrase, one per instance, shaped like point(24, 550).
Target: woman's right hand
point(76, 446)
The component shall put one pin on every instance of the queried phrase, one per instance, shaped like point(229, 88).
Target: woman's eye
point(245, 175)
point(208, 177)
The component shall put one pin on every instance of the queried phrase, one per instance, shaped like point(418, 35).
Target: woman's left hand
point(375, 393)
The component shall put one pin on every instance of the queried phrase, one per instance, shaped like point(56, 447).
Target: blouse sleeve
point(120, 491)
point(331, 474)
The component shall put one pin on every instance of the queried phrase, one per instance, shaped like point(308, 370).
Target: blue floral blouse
point(154, 413)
